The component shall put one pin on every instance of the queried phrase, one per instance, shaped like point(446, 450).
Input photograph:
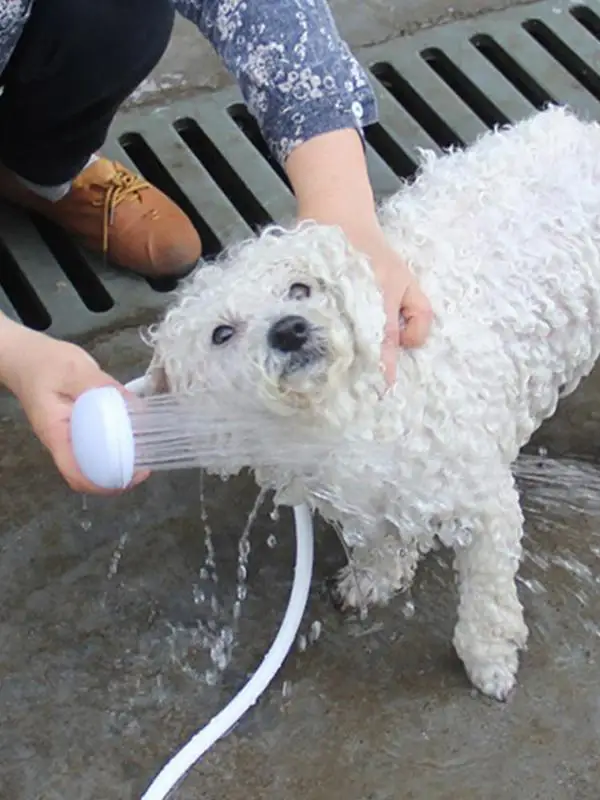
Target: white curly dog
point(505, 240)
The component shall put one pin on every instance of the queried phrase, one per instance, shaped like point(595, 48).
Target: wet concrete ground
point(102, 668)
point(102, 672)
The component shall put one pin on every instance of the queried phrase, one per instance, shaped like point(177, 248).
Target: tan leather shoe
point(113, 211)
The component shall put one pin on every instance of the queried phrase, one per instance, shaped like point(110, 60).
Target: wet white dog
point(505, 240)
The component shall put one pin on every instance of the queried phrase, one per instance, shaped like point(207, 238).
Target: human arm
point(330, 180)
point(312, 99)
point(47, 376)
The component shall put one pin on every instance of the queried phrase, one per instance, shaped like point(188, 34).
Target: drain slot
point(419, 109)
point(512, 71)
point(21, 294)
point(217, 166)
point(464, 88)
point(154, 171)
point(587, 19)
point(85, 282)
point(390, 151)
point(574, 65)
point(249, 127)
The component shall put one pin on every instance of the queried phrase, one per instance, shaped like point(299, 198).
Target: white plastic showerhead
point(102, 438)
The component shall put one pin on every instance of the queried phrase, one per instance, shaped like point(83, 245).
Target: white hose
point(172, 773)
point(176, 769)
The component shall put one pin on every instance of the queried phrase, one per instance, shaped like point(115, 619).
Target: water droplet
point(271, 541)
point(275, 515)
point(227, 636)
point(203, 574)
point(315, 631)
point(211, 676)
point(218, 656)
point(244, 548)
point(86, 524)
point(209, 562)
point(301, 643)
point(237, 609)
point(534, 586)
point(198, 595)
point(242, 573)
point(286, 689)
point(242, 592)
point(409, 609)
point(116, 556)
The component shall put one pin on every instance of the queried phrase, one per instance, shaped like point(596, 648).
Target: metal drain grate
point(438, 88)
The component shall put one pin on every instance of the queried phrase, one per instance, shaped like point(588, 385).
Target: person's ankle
point(53, 193)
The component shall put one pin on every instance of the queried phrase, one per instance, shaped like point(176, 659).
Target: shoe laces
point(120, 186)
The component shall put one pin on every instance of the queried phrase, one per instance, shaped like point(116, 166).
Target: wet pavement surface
point(103, 664)
point(103, 659)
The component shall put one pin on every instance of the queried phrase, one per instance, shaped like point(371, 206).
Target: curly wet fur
point(505, 240)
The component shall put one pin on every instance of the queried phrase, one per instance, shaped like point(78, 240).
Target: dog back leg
point(490, 629)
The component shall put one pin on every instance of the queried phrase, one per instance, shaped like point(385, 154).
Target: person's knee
point(130, 35)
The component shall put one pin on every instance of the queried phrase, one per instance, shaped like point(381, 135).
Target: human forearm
point(298, 77)
point(331, 183)
point(332, 187)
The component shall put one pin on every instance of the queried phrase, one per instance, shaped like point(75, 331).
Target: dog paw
point(359, 588)
point(495, 677)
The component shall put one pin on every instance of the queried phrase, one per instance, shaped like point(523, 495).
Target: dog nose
point(288, 334)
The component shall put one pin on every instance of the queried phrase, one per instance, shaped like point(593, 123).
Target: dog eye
point(222, 334)
point(299, 291)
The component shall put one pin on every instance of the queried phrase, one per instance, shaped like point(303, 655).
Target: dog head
point(290, 322)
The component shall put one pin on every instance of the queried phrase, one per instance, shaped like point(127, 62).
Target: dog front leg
point(491, 630)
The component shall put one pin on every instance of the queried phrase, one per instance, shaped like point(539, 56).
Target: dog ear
point(360, 299)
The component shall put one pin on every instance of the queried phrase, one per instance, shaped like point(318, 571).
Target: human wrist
point(12, 351)
point(332, 187)
point(358, 222)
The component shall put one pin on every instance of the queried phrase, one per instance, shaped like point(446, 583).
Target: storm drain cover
point(437, 88)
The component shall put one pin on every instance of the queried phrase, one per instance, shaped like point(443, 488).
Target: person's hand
point(407, 309)
point(47, 376)
point(331, 183)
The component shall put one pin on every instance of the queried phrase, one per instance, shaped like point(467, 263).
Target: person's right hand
point(47, 376)
point(332, 187)
point(407, 309)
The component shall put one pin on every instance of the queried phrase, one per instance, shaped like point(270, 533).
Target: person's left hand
point(47, 376)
